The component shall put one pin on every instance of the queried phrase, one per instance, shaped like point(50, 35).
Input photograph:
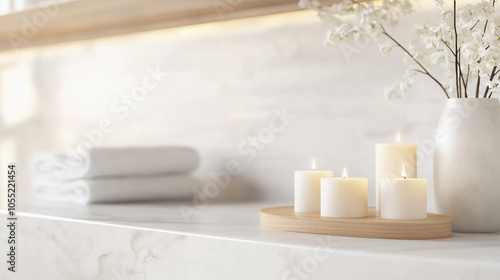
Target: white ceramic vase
point(467, 164)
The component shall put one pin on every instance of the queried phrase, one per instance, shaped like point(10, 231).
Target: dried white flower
point(439, 3)
point(459, 60)
point(385, 48)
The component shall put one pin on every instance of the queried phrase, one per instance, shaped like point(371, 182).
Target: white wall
point(225, 79)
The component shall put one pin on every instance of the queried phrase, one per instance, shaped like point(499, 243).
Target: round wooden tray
point(284, 218)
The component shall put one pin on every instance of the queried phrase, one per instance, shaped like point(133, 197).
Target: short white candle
point(403, 198)
point(344, 197)
point(308, 189)
point(389, 160)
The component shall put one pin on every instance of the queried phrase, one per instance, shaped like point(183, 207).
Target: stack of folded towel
point(116, 174)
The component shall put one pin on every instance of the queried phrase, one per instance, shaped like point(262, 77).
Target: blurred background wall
point(225, 83)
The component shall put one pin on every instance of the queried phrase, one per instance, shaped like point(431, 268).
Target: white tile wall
point(225, 80)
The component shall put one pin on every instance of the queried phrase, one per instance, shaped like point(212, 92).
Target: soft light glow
point(403, 172)
point(344, 174)
point(398, 138)
point(314, 165)
point(18, 95)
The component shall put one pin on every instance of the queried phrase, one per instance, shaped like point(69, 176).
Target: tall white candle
point(344, 197)
point(403, 198)
point(308, 190)
point(389, 161)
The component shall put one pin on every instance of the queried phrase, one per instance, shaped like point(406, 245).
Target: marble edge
point(184, 233)
point(347, 251)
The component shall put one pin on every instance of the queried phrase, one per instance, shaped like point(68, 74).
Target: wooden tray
point(284, 218)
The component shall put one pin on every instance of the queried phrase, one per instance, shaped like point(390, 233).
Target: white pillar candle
point(344, 197)
point(403, 198)
point(308, 190)
point(389, 161)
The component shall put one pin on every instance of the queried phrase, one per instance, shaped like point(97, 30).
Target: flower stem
point(448, 46)
point(457, 63)
point(491, 79)
point(461, 75)
point(474, 25)
point(465, 80)
point(478, 84)
point(414, 59)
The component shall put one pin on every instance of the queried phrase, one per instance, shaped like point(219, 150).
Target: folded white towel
point(118, 190)
point(108, 161)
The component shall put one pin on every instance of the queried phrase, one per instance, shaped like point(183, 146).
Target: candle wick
point(404, 177)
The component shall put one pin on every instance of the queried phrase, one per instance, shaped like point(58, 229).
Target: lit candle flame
point(314, 165)
point(344, 174)
point(398, 138)
point(403, 172)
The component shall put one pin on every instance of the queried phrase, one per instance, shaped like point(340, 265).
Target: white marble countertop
point(463, 256)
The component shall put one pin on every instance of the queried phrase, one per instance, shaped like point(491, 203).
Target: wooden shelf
point(86, 19)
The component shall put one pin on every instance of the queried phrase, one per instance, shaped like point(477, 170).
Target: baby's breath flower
point(464, 44)
point(385, 48)
point(439, 3)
